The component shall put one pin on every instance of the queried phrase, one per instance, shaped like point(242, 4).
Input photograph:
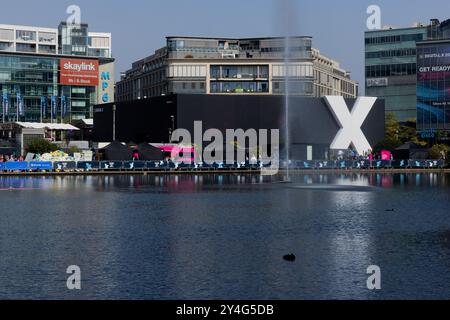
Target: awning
point(88, 122)
point(48, 126)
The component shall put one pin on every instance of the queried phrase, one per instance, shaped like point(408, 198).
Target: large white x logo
point(350, 122)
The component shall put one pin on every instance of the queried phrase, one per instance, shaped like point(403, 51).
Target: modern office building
point(193, 65)
point(53, 74)
point(391, 65)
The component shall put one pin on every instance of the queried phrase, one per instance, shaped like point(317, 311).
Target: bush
point(437, 151)
point(73, 150)
point(41, 146)
point(389, 144)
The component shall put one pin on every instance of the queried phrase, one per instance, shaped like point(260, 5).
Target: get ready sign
point(77, 72)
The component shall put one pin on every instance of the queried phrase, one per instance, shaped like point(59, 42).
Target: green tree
point(392, 126)
point(41, 146)
point(396, 132)
point(439, 151)
point(389, 143)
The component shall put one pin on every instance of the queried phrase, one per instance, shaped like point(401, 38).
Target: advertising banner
point(433, 86)
point(16, 165)
point(111, 165)
point(88, 165)
point(400, 164)
point(41, 166)
point(305, 164)
point(63, 166)
point(131, 165)
point(77, 72)
point(325, 164)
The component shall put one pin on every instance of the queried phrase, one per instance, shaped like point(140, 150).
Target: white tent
point(48, 126)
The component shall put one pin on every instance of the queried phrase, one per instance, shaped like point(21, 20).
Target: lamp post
point(114, 122)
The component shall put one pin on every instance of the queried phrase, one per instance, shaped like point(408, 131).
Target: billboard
point(77, 72)
point(433, 86)
point(105, 92)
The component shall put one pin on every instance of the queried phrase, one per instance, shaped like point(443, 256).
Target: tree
point(392, 126)
point(389, 143)
point(41, 146)
point(398, 134)
point(439, 151)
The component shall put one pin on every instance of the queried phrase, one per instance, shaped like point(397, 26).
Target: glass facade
point(391, 69)
point(433, 86)
point(239, 86)
point(36, 78)
point(74, 40)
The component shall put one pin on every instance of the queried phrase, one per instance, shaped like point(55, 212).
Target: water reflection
point(223, 236)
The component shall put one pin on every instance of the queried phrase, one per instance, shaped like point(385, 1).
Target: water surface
point(223, 237)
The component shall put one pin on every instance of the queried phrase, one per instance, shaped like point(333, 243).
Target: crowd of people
point(10, 158)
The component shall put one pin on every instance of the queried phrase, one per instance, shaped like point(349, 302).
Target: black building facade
point(312, 125)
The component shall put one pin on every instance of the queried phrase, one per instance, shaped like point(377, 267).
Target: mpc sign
point(106, 83)
point(77, 72)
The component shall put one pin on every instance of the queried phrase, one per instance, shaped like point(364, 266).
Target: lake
point(224, 236)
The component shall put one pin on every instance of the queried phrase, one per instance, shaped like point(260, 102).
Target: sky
point(139, 27)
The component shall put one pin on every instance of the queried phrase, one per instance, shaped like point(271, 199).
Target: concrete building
point(391, 65)
point(53, 74)
point(194, 65)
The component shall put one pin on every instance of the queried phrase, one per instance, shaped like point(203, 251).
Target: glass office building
point(26, 80)
point(391, 68)
point(391, 65)
point(53, 74)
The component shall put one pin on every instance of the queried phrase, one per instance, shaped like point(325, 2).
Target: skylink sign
point(350, 123)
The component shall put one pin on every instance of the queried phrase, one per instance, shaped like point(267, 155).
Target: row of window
point(295, 87)
point(239, 72)
point(394, 39)
point(391, 53)
point(391, 70)
point(239, 87)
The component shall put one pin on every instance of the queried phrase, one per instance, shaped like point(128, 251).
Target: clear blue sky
point(139, 26)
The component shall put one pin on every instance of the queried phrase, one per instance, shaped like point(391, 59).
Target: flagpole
point(3, 108)
point(17, 107)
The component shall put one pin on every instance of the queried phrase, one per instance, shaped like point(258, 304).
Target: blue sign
point(428, 134)
point(305, 164)
point(417, 163)
point(65, 165)
point(41, 166)
point(399, 163)
point(132, 165)
point(16, 165)
point(105, 77)
point(111, 165)
point(88, 165)
point(325, 164)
